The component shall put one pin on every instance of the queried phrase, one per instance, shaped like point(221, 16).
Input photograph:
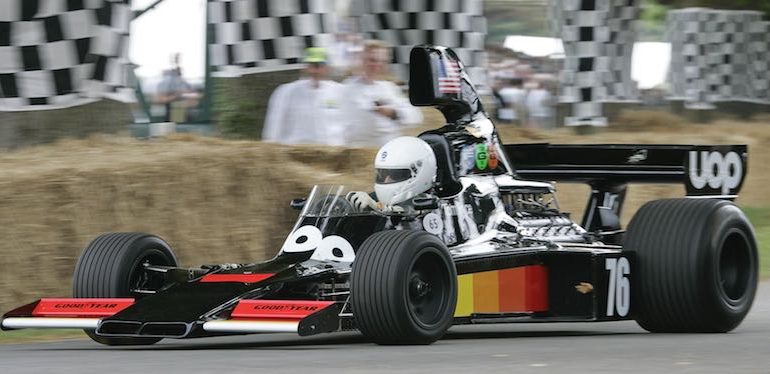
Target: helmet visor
point(388, 176)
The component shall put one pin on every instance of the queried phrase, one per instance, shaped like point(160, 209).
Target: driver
point(406, 167)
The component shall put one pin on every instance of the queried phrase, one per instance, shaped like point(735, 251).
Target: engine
point(537, 216)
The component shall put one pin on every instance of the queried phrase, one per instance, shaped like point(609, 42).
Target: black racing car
point(488, 244)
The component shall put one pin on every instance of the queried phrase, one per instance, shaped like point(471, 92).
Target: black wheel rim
point(141, 279)
point(428, 288)
point(735, 266)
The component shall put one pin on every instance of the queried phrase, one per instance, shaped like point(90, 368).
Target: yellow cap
point(315, 55)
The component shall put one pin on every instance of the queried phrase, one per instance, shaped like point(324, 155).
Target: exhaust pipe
point(236, 326)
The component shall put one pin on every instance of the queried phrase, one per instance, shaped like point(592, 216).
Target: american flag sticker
point(449, 79)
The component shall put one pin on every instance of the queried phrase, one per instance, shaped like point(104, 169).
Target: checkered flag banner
point(252, 36)
point(598, 38)
point(457, 24)
point(56, 53)
point(718, 55)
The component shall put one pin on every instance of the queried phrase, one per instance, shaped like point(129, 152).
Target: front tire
point(112, 265)
point(403, 288)
point(697, 265)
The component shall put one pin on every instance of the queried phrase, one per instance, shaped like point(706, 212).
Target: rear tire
point(697, 265)
point(112, 265)
point(403, 288)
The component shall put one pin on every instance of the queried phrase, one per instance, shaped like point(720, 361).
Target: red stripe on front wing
point(281, 309)
point(73, 307)
point(238, 278)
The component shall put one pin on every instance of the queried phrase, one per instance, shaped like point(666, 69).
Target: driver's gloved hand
point(361, 200)
point(389, 208)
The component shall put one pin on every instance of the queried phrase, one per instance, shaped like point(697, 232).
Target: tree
point(760, 5)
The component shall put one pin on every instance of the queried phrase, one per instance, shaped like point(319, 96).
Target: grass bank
point(25, 336)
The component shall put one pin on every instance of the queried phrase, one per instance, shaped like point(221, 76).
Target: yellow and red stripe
point(516, 290)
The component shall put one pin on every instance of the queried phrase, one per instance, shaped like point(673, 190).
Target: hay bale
point(215, 201)
point(647, 120)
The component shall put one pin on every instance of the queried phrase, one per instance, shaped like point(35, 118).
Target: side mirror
point(425, 202)
point(437, 78)
point(297, 204)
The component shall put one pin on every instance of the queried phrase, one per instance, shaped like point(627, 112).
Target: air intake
point(119, 328)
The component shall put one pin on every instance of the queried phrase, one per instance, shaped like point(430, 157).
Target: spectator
point(343, 55)
point(512, 97)
point(174, 92)
point(308, 110)
point(376, 110)
point(540, 105)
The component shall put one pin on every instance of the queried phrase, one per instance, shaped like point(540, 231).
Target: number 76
point(619, 289)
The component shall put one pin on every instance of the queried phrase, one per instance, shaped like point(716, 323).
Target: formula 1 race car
point(486, 244)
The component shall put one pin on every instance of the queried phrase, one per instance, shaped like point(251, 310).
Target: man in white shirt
point(306, 111)
point(513, 100)
point(376, 110)
point(540, 107)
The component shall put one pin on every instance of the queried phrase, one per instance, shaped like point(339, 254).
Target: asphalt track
point(616, 347)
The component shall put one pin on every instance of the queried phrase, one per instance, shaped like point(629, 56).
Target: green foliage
point(240, 103)
point(652, 22)
point(235, 114)
point(33, 127)
point(506, 19)
point(498, 31)
point(653, 12)
point(760, 5)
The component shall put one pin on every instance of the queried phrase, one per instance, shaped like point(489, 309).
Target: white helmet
point(406, 167)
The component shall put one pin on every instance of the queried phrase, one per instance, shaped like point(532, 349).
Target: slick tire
point(403, 288)
point(697, 265)
point(111, 266)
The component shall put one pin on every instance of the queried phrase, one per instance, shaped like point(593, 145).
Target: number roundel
point(310, 239)
point(433, 224)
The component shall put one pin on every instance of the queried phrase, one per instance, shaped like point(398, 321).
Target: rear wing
point(706, 171)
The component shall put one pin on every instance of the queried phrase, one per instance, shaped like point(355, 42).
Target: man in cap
point(306, 111)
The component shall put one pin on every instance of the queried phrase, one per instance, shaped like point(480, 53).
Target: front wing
point(302, 317)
